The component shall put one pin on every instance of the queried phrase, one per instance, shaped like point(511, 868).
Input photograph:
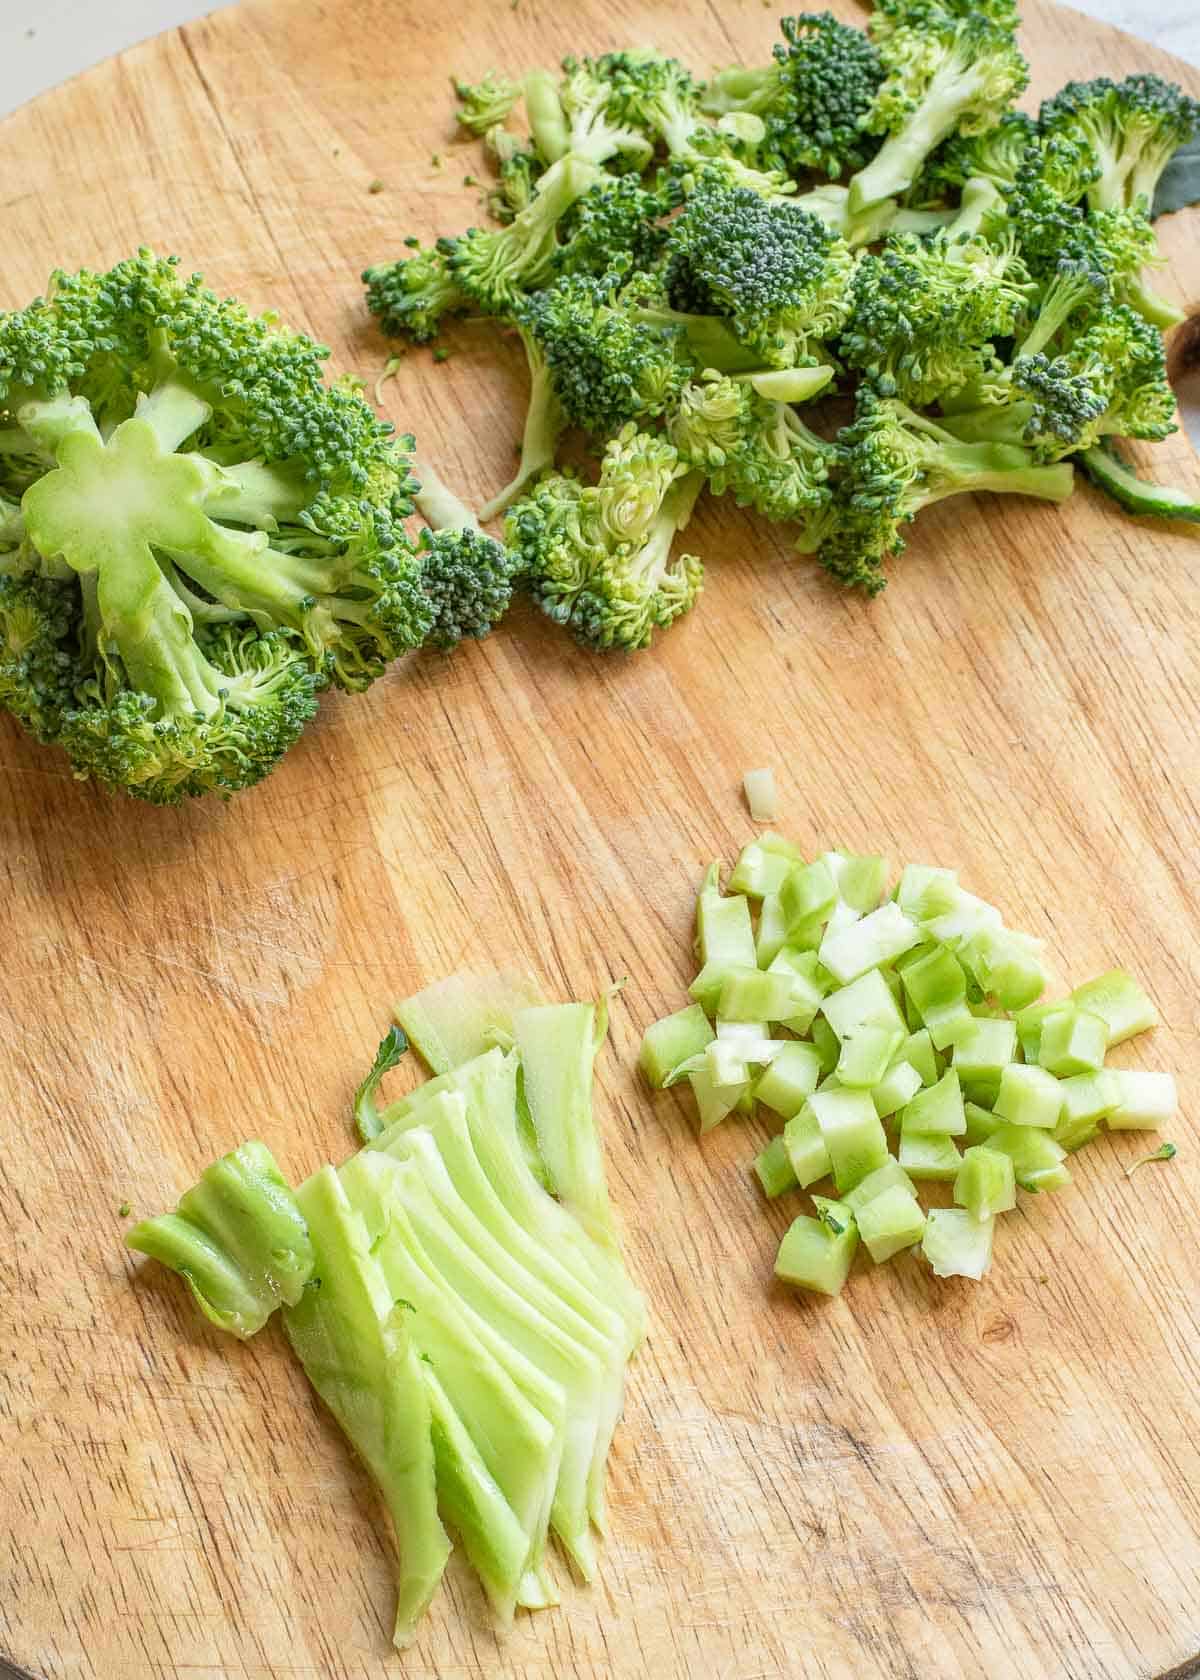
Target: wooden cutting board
point(920, 1479)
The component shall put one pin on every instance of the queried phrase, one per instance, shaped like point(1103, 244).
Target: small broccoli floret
point(208, 533)
point(483, 104)
point(597, 558)
point(897, 462)
point(519, 169)
point(756, 449)
point(1131, 130)
point(996, 155)
point(944, 73)
point(493, 267)
point(410, 296)
point(597, 127)
point(614, 227)
point(927, 312)
point(812, 98)
point(607, 366)
point(467, 575)
point(777, 273)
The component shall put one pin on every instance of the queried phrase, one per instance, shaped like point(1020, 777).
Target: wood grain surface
point(920, 1479)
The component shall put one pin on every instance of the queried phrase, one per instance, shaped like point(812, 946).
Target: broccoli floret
point(927, 312)
point(597, 127)
point(615, 226)
point(481, 105)
point(410, 296)
point(493, 267)
point(756, 449)
point(996, 155)
point(597, 558)
point(895, 463)
point(777, 273)
point(1131, 130)
point(210, 533)
point(607, 366)
point(812, 97)
point(467, 575)
point(519, 169)
point(944, 73)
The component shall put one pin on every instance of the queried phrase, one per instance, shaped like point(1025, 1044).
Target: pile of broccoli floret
point(837, 287)
point(198, 534)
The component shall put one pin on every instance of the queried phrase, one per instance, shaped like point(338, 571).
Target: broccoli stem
point(547, 123)
point(790, 385)
point(438, 506)
point(174, 411)
point(980, 197)
point(545, 423)
point(899, 161)
point(711, 342)
point(150, 628)
point(1003, 468)
point(1105, 469)
point(1158, 310)
point(263, 496)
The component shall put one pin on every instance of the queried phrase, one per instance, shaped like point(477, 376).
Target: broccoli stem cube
point(984, 1049)
point(937, 1108)
point(815, 1257)
point(985, 1184)
point(1120, 1003)
point(752, 994)
point(1029, 1096)
point(1037, 1159)
point(786, 1085)
point(805, 1145)
point(867, 1054)
point(1145, 1101)
point(673, 1040)
point(956, 1244)
point(877, 938)
point(928, 1155)
point(865, 1002)
point(1073, 1041)
point(898, 1086)
point(852, 1132)
point(887, 1177)
point(981, 1123)
point(774, 1168)
point(889, 1222)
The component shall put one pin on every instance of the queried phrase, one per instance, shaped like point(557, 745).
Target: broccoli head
point(207, 532)
point(812, 98)
point(996, 155)
point(756, 449)
point(926, 313)
point(946, 71)
point(614, 228)
point(597, 558)
point(779, 274)
point(467, 575)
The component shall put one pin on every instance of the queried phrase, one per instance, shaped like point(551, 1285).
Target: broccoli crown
point(410, 296)
point(483, 104)
point(652, 94)
point(468, 578)
point(599, 125)
point(827, 75)
point(1131, 129)
point(777, 272)
point(811, 98)
point(597, 558)
point(208, 533)
point(607, 367)
point(493, 267)
point(996, 155)
point(926, 312)
point(614, 226)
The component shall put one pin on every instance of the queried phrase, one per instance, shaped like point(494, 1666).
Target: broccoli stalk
point(493, 267)
point(944, 73)
point(467, 575)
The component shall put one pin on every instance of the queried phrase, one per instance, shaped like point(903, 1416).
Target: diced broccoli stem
point(773, 1165)
point(1109, 473)
point(814, 1256)
point(956, 1244)
point(890, 1222)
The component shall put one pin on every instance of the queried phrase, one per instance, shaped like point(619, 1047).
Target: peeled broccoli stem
point(437, 504)
point(545, 423)
point(952, 466)
point(953, 88)
point(1108, 472)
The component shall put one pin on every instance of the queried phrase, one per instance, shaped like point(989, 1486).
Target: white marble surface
point(42, 42)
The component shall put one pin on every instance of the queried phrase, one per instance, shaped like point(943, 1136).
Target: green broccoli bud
point(409, 297)
point(483, 104)
point(467, 575)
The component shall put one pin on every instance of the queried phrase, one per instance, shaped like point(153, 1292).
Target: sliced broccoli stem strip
point(354, 1344)
point(1117, 479)
point(237, 1238)
point(458, 1018)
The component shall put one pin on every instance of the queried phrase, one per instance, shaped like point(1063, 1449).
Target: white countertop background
point(42, 42)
